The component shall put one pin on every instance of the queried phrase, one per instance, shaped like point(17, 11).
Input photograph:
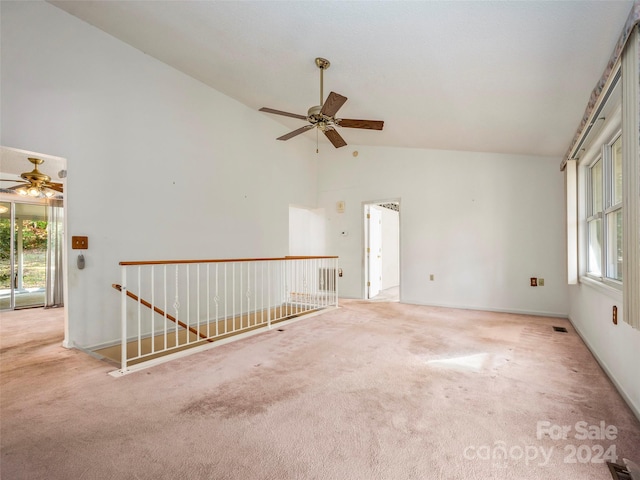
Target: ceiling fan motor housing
point(323, 122)
point(35, 175)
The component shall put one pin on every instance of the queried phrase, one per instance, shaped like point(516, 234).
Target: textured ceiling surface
point(505, 76)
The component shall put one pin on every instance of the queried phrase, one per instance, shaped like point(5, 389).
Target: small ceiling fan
point(323, 116)
point(35, 183)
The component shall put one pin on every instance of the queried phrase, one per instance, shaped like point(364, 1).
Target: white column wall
point(160, 166)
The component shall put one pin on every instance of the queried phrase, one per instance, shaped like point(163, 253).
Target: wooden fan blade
point(332, 104)
point(295, 132)
point(55, 186)
point(279, 112)
point(335, 138)
point(370, 124)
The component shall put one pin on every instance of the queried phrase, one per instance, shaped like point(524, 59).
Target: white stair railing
point(170, 306)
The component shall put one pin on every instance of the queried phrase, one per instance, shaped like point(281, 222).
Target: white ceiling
point(488, 76)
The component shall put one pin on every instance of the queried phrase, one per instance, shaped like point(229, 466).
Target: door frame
point(365, 243)
point(9, 156)
point(373, 250)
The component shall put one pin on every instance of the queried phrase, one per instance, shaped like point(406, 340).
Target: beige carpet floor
point(391, 294)
point(368, 391)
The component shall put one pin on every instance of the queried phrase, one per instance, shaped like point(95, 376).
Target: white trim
point(571, 186)
point(534, 313)
point(63, 164)
point(365, 243)
point(602, 287)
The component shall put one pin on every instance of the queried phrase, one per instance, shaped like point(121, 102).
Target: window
point(604, 214)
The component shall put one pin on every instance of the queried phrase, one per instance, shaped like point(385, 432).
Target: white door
point(374, 251)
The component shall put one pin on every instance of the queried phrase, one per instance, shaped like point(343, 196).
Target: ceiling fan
point(35, 183)
point(323, 116)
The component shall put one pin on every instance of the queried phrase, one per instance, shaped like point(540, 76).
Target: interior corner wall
point(481, 223)
point(160, 166)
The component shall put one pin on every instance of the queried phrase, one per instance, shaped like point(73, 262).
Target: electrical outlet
point(79, 242)
point(534, 282)
point(541, 282)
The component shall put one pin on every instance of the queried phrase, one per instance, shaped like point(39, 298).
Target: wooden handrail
point(222, 260)
point(161, 312)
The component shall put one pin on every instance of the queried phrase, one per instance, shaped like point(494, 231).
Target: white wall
point(160, 166)
point(306, 231)
point(615, 346)
point(481, 223)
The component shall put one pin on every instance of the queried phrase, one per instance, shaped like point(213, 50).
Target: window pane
point(595, 247)
point(30, 254)
point(5, 255)
point(614, 245)
point(616, 165)
point(596, 187)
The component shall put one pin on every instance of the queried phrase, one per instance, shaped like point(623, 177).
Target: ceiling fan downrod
point(322, 64)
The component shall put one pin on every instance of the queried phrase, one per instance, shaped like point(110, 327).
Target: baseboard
point(99, 346)
point(534, 313)
point(623, 393)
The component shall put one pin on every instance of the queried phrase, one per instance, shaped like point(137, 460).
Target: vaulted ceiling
point(487, 76)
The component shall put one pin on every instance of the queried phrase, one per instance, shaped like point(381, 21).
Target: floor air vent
point(560, 329)
point(619, 472)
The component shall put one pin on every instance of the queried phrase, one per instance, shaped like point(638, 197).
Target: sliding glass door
point(6, 253)
point(23, 254)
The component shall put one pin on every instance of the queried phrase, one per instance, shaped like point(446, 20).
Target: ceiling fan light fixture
point(35, 183)
point(33, 191)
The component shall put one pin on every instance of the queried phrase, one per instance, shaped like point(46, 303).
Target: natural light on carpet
point(467, 362)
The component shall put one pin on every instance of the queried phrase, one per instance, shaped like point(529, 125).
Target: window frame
point(611, 208)
point(604, 212)
point(592, 216)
